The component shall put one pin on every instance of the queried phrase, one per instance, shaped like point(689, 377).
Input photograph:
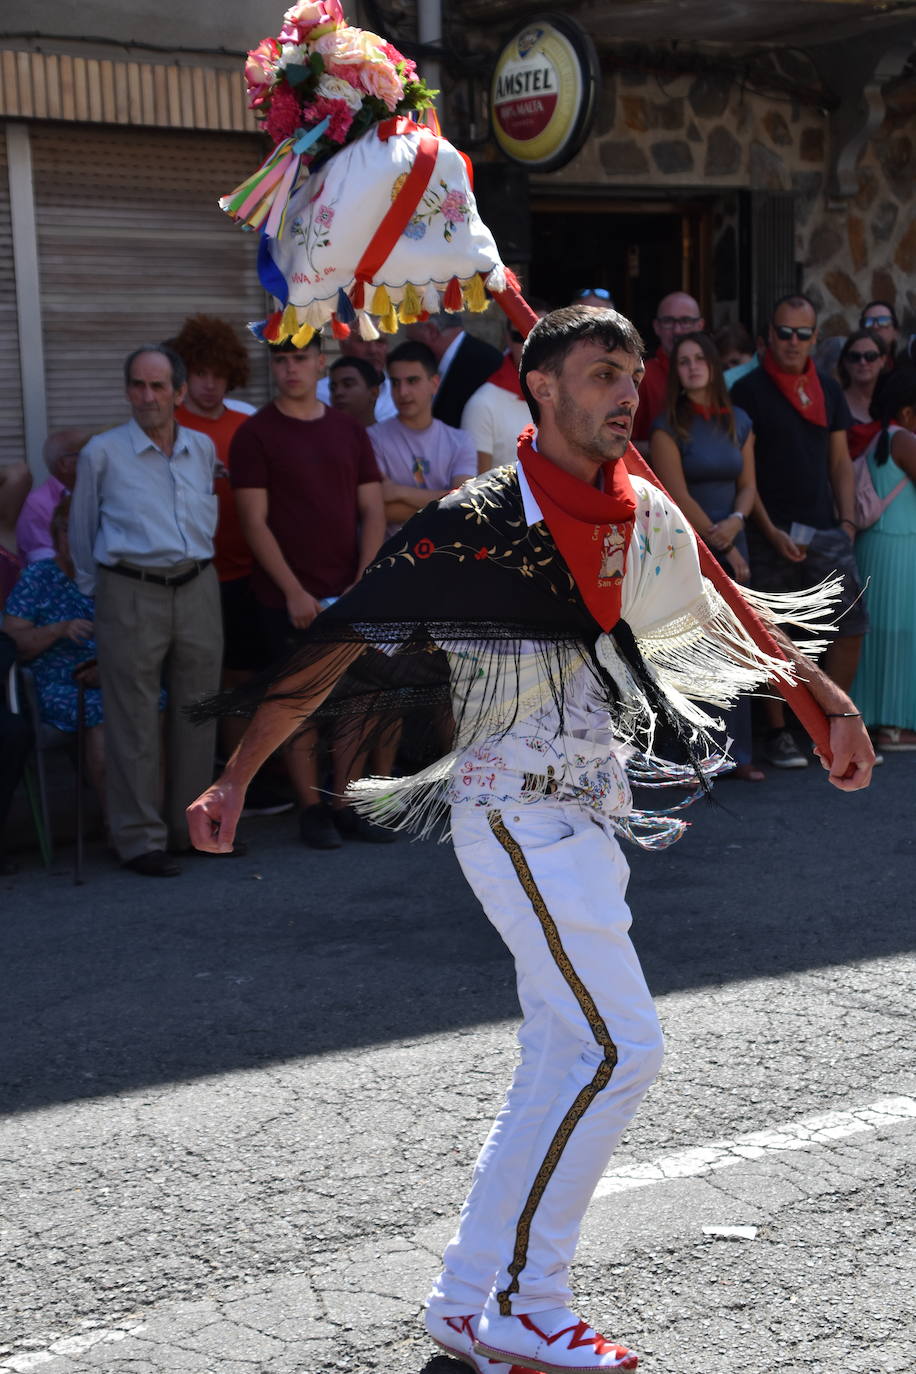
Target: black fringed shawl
point(447, 611)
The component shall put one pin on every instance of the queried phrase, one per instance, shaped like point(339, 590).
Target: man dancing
point(559, 661)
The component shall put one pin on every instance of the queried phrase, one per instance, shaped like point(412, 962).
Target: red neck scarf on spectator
point(591, 528)
point(860, 435)
point(707, 412)
point(802, 390)
point(506, 377)
point(663, 359)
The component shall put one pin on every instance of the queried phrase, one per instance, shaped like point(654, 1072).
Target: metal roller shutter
point(130, 241)
point(12, 442)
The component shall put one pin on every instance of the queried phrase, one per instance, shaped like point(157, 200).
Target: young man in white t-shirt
point(421, 458)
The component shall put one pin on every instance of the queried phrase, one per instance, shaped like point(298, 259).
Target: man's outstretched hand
point(851, 756)
point(214, 816)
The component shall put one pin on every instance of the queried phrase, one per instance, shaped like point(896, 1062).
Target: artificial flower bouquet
point(324, 80)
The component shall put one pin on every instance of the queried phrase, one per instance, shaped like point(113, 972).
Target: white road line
point(808, 1134)
point(69, 1345)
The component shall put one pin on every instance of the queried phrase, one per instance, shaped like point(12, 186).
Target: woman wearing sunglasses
point(702, 448)
point(859, 366)
point(885, 685)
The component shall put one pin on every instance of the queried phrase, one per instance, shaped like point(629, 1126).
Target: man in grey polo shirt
point(141, 535)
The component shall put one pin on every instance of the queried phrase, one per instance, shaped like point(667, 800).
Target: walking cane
point(80, 744)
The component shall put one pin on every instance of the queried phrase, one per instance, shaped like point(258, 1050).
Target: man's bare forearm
point(825, 691)
point(263, 544)
point(275, 720)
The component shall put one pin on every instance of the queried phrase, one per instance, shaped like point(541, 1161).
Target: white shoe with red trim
point(456, 1337)
point(555, 1342)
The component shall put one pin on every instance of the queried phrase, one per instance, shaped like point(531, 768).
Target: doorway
point(637, 250)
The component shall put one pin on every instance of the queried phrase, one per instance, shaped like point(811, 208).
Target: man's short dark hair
point(287, 346)
point(882, 305)
point(554, 336)
point(411, 352)
point(365, 369)
point(176, 363)
point(798, 300)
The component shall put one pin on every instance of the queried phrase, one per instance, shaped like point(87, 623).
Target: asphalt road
point(242, 1106)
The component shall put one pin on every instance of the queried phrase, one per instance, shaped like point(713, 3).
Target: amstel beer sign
point(542, 99)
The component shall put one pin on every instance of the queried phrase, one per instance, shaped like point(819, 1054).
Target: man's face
point(879, 321)
point(677, 314)
point(791, 352)
point(412, 390)
point(296, 374)
point(373, 351)
point(206, 389)
point(150, 391)
point(351, 394)
point(594, 399)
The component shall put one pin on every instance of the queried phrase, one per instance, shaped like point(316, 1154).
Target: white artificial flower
point(292, 54)
point(335, 88)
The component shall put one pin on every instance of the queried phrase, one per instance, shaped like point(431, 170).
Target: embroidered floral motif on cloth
point(476, 626)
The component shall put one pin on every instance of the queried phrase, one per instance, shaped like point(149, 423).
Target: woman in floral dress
point(51, 622)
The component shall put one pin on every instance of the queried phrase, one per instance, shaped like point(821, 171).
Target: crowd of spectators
point(184, 549)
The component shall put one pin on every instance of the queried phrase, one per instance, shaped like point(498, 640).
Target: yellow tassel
point(303, 337)
point(389, 322)
point(381, 303)
point(410, 302)
point(475, 298)
point(289, 323)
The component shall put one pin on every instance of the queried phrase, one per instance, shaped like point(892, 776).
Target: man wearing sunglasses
point(880, 319)
point(677, 314)
point(803, 522)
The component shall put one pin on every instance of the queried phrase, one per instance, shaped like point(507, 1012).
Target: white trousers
point(553, 881)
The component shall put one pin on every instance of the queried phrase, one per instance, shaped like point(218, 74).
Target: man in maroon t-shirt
point(677, 314)
point(309, 498)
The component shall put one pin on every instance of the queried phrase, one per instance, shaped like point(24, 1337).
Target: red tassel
point(340, 331)
point(453, 300)
point(273, 326)
point(423, 317)
point(358, 295)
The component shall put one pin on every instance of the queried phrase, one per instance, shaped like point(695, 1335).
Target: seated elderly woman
point(50, 621)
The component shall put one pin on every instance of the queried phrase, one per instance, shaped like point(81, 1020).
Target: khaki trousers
point(148, 637)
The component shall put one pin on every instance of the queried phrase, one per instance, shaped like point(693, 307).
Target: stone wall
point(705, 133)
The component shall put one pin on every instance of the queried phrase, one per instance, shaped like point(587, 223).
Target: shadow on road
point(287, 953)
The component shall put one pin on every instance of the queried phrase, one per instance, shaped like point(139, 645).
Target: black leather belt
point(141, 575)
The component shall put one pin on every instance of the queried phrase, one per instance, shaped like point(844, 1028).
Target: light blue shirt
point(734, 374)
point(133, 504)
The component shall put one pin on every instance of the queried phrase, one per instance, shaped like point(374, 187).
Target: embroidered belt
point(160, 580)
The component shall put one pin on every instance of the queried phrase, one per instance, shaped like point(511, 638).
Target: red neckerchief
point(803, 390)
point(707, 412)
point(591, 528)
point(506, 377)
point(860, 434)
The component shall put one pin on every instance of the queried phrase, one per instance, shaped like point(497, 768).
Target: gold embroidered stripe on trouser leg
point(587, 1094)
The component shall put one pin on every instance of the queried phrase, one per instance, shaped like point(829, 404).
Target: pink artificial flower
point(301, 19)
point(339, 113)
point(348, 74)
point(260, 75)
point(285, 115)
point(343, 47)
point(381, 80)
